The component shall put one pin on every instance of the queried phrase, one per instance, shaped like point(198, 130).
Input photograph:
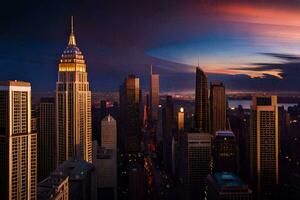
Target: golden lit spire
point(72, 40)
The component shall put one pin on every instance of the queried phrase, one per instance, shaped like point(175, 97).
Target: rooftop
point(225, 134)
point(15, 83)
point(227, 179)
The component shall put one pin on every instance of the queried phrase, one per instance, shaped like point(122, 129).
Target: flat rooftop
point(227, 179)
point(225, 134)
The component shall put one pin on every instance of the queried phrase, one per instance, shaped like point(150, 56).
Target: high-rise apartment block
point(264, 143)
point(18, 145)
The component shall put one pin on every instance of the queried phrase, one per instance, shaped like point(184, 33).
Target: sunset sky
point(249, 45)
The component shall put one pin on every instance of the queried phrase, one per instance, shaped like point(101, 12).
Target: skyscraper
point(46, 138)
point(18, 145)
point(109, 133)
point(196, 163)
point(224, 152)
point(217, 107)
point(264, 143)
point(73, 105)
point(167, 125)
point(154, 95)
point(130, 116)
point(201, 102)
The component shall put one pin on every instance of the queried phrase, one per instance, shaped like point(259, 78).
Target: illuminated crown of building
point(72, 58)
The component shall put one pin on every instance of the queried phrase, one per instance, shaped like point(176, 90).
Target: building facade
point(264, 143)
point(225, 152)
point(18, 145)
point(167, 131)
point(109, 133)
point(129, 114)
point(197, 163)
point(217, 107)
point(201, 102)
point(154, 96)
point(47, 138)
point(73, 106)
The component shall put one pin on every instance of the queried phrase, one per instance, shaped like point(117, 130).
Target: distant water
point(246, 104)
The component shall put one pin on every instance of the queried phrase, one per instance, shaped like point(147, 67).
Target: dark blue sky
point(248, 46)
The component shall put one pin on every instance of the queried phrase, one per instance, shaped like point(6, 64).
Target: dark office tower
point(130, 117)
point(196, 163)
point(143, 108)
point(46, 138)
point(201, 102)
point(154, 95)
point(226, 186)
point(167, 126)
point(103, 109)
point(264, 144)
point(73, 106)
point(136, 181)
point(224, 152)
point(18, 145)
point(217, 107)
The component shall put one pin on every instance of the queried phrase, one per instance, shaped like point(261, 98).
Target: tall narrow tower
point(129, 94)
point(201, 102)
point(18, 145)
point(154, 95)
point(217, 107)
point(73, 105)
point(264, 143)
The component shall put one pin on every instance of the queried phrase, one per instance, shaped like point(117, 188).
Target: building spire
point(72, 40)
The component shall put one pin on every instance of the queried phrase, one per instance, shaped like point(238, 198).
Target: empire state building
point(73, 105)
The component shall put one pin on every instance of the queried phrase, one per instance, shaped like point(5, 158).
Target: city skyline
point(233, 41)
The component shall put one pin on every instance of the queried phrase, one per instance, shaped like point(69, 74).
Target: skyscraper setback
point(154, 95)
point(264, 143)
point(18, 145)
point(201, 102)
point(73, 105)
point(217, 107)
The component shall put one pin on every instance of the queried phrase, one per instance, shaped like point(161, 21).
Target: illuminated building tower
point(46, 138)
point(73, 106)
point(225, 185)
point(196, 163)
point(224, 152)
point(167, 126)
point(201, 102)
point(264, 143)
point(130, 116)
point(217, 107)
point(180, 119)
point(18, 145)
point(154, 95)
